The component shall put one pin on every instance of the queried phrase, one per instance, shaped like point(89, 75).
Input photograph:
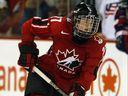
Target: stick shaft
point(48, 80)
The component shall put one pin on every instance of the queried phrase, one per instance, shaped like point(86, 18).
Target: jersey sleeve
point(90, 68)
point(35, 27)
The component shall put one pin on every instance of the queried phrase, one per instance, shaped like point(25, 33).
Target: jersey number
point(56, 19)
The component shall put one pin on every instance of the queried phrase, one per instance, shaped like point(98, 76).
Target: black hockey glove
point(28, 55)
point(77, 91)
point(122, 43)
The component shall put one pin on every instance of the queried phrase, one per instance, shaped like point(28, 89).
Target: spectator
point(10, 17)
point(62, 7)
point(30, 10)
point(3, 15)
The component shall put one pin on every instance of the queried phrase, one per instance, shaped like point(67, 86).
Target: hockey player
point(107, 9)
point(121, 26)
point(73, 59)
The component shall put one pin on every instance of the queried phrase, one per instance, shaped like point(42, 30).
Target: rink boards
point(112, 78)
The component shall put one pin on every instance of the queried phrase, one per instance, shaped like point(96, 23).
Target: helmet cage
point(86, 26)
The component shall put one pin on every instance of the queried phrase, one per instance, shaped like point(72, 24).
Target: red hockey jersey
point(67, 62)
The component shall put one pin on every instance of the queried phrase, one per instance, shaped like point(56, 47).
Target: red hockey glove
point(28, 55)
point(77, 91)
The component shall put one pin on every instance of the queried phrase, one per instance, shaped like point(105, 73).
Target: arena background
point(112, 78)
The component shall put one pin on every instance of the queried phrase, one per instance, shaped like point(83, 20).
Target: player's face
point(84, 25)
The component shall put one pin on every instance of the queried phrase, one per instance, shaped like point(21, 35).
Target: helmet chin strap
point(79, 40)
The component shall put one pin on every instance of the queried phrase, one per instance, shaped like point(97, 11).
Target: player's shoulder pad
point(100, 40)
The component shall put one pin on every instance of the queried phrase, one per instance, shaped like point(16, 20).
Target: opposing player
point(107, 9)
point(73, 59)
point(121, 26)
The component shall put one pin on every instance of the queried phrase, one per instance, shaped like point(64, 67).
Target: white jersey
point(107, 9)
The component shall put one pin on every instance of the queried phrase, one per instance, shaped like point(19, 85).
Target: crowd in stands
point(13, 13)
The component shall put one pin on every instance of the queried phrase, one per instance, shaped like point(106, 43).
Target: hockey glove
point(28, 55)
point(122, 43)
point(121, 28)
point(77, 91)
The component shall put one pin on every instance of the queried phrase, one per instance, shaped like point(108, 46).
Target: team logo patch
point(68, 60)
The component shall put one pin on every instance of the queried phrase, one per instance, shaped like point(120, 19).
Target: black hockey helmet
point(85, 21)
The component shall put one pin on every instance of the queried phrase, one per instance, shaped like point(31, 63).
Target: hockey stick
point(48, 80)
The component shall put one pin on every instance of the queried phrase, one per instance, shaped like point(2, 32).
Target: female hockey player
point(73, 59)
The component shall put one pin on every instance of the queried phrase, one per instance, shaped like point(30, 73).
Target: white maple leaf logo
point(68, 59)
